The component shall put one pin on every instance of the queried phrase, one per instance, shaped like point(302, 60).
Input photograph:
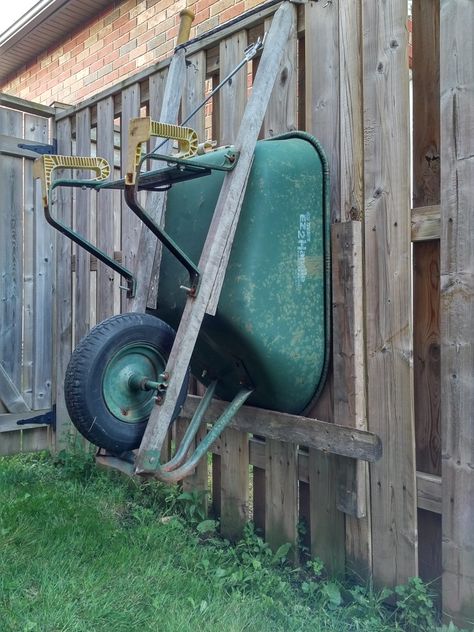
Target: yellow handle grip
point(186, 19)
point(45, 165)
point(142, 129)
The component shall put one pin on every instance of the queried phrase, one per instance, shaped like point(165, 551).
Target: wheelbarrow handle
point(140, 131)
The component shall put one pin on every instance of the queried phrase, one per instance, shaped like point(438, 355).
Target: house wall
point(115, 44)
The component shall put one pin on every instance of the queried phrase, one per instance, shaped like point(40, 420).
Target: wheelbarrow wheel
point(104, 403)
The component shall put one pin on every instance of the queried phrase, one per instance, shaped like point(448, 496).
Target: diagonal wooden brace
point(225, 215)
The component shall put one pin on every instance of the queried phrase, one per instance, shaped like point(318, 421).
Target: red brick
point(120, 41)
point(126, 28)
point(231, 12)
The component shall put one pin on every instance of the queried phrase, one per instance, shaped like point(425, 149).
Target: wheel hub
point(127, 381)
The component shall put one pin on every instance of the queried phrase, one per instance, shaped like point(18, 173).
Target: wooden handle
point(186, 19)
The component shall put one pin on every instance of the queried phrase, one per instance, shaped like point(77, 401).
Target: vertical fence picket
point(37, 129)
point(457, 308)
point(63, 293)
point(11, 253)
point(106, 202)
point(131, 225)
point(322, 120)
point(82, 223)
point(281, 460)
point(426, 299)
point(388, 290)
point(234, 470)
point(193, 95)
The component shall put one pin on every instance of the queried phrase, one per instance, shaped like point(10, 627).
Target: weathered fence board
point(106, 202)
point(457, 307)
point(388, 289)
point(426, 298)
point(131, 225)
point(234, 487)
point(64, 296)
point(82, 225)
point(350, 387)
point(323, 120)
point(11, 254)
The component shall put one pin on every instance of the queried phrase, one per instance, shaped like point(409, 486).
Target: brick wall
point(131, 35)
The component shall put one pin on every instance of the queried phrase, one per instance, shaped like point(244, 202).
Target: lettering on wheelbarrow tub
point(268, 342)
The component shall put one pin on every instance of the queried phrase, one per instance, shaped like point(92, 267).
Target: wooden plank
point(234, 473)
point(322, 87)
point(426, 341)
point(426, 106)
point(11, 253)
point(275, 489)
point(63, 295)
point(29, 214)
point(194, 92)
point(313, 433)
point(457, 307)
point(157, 87)
point(147, 266)
point(219, 236)
point(106, 202)
point(37, 129)
point(281, 495)
point(429, 492)
point(131, 225)
point(231, 104)
point(233, 96)
point(350, 387)
point(82, 223)
point(348, 353)
point(426, 254)
point(322, 106)
point(193, 95)
point(282, 107)
point(351, 106)
point(388, 289)
point(425, 223)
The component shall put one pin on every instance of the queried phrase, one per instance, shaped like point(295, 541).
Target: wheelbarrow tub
point(271, 328)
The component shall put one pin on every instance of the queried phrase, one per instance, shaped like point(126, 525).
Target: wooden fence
point(402, 281)
point(26, 281)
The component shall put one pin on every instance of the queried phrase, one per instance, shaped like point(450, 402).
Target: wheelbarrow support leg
point(162, 471)
point(192, 430)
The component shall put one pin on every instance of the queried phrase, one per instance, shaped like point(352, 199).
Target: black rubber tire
point(84, 377)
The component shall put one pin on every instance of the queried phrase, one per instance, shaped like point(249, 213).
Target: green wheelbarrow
point(268, 342)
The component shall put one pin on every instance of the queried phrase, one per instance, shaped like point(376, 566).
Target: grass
point(84, 550)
